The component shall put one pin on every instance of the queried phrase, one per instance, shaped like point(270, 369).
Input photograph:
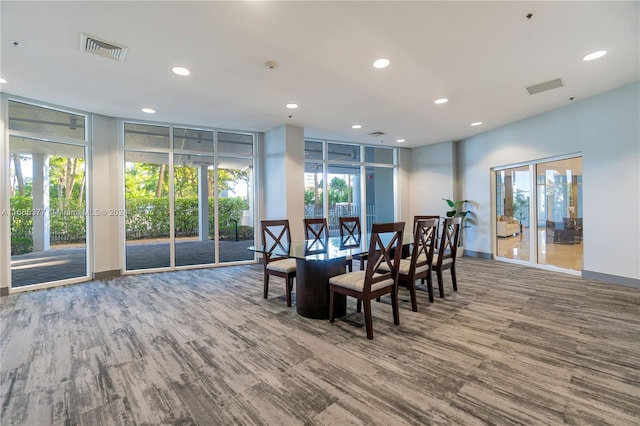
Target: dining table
point(317, 260)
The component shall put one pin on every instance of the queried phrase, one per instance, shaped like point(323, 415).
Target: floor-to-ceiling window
point(48, 193)
point(188, 196)
point(379, 200)
point(538, 216)
point(340, 169)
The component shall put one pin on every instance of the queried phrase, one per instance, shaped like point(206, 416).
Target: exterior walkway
point(63, 262)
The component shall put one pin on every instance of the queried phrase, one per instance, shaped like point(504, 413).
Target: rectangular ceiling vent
point(543, 87)
point(378, 133)
point(99, 47)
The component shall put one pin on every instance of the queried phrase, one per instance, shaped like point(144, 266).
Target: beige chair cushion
point(444, 261)
point(405, 266)
point(355, 281)
point(284, 265)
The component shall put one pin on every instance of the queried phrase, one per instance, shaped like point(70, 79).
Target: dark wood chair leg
point(440, 282)
point(453, 277)
point(394, 307)
point(359, 306)
point(368, 318)
point(289, 285)
point(266, 285)
point(430, 287)
point(331, 319)
point(350, 265)
point(412, 291)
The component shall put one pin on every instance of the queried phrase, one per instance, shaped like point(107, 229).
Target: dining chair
point(276, 237)
point(316, 235)
point(445, 258)
point(350, 234)
point(418, 265)
point(316, 229)
point(386, 240)
point(425, 217)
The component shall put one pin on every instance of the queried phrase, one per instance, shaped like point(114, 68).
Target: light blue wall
point(605, 130)
point(431, 176)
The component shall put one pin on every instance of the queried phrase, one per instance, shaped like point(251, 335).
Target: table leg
point(312, 288)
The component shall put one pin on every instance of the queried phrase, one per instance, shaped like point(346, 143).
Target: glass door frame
point(5, 223)
point(533, 215)
point(215, 156)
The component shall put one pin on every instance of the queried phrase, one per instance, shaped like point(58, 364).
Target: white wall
point(432, 179)
point(605, 130)
point(402, 190)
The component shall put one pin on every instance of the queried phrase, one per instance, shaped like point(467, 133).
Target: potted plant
point(458, 209)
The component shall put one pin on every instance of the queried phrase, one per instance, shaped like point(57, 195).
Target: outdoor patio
point(64, 262)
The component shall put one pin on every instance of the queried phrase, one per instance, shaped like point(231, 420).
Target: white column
point(283, 177)
point(40, 194)
point(203, 203)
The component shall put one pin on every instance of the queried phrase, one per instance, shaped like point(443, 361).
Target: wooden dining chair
point(316, 235)
point(418, 265)
point(276, 237)
point(445, 258)
point(426, 217)
point(316, 229)
point(350, 234)
point(386, 240)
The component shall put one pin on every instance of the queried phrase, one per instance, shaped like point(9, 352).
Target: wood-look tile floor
point(514, 345)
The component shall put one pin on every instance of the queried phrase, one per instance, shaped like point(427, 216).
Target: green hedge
point(146, 217)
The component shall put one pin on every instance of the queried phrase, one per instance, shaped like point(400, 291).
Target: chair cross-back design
point(276, 237)
point(316, 229)
point(446, 256)
point(316, 234)
point(350, 230)
point(384, 249)
point(350, 234)
point(418, 264)
point(423, 217)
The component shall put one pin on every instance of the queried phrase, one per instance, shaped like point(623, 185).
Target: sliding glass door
point(512, 213)
point(559, 213)
point(538, 213)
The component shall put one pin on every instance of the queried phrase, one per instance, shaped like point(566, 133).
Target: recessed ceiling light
point(292, 106)
point(400, 140)
point(441, 101)
point(180, 71)
point(149, 110)
point(381, 63)
point(357, 126)
point(476, 123)
point(595, 55)
point(2, 80)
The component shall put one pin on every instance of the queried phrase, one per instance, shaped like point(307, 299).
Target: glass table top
point(327, 249)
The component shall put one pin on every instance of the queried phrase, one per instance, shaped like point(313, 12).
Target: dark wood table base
point(312, 288)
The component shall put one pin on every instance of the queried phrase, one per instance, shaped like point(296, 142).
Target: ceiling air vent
point(376, 134)
point(99, 47)
point(543, 87)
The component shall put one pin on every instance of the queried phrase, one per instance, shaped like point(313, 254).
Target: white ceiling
point(480, 55)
